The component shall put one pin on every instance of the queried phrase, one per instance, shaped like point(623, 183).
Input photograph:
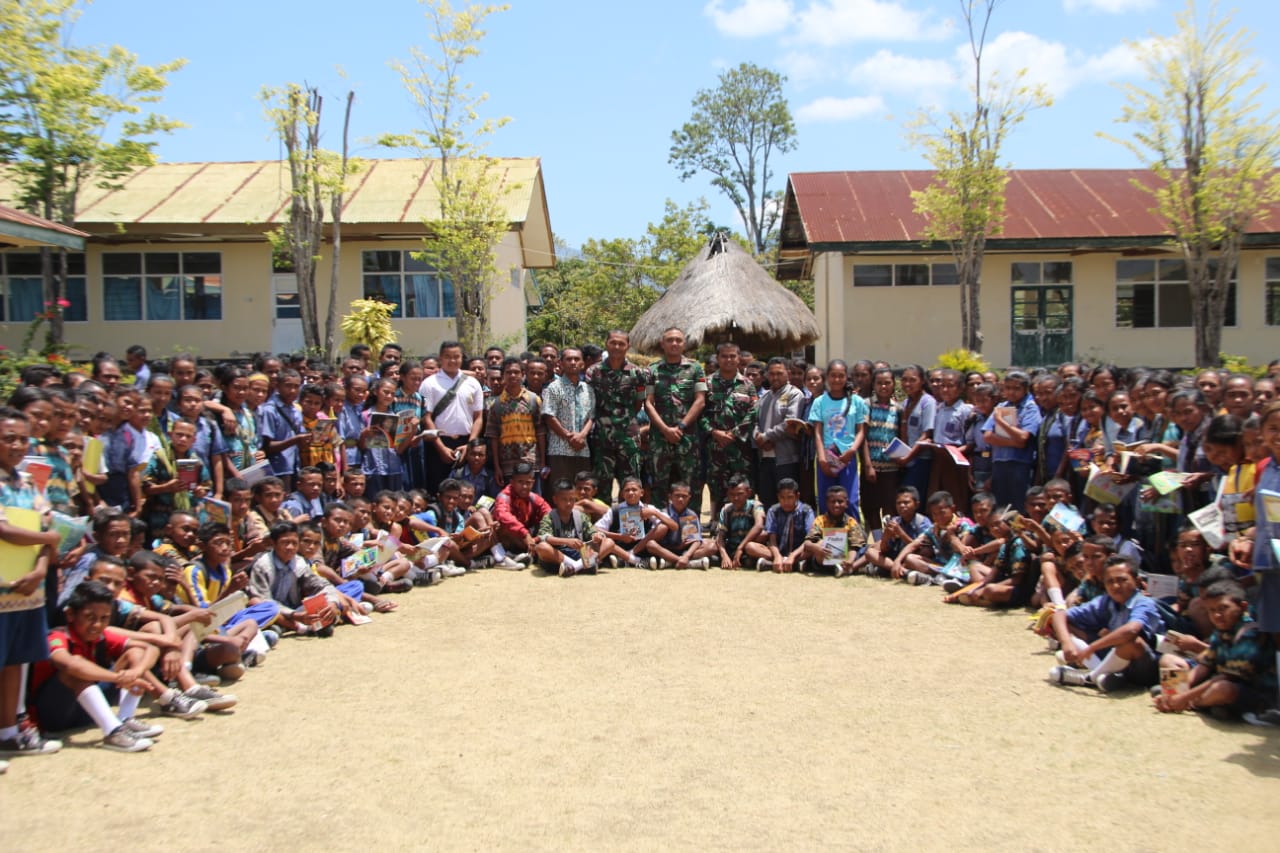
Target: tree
point(315, 175)
point(611, 282)
point(472, 217)
point(1213, 155)
point(963, 205)
point(734, 130)
point(70, 117)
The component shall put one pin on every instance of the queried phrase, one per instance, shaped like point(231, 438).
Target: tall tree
point(469, 183)
point(734, 130)
point(611, 282)
point(316, 176)
point(1198, 126)
point(963, 205)
point(70, 117)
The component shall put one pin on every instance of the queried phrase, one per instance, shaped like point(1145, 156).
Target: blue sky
point(595, 89)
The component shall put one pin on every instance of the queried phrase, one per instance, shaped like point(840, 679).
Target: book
point(255, 472)
point(221, 610)
point(92, 460)
point(897, 449)
point(216, 510)
point(17, 561)
point(388, 548)
point(406, 429)
point(313, 605)
point(835, 542)
point(1167, 482)
point(71, 530)
point(1065, 517)
point(385, 423)
point(1162, 586)
point(631, 521)
point(957, 455)
point(469, 533)
point(484, 502)
point(1174, 681)
point(998, 426)
point(189, 472)
point(1107, 487)
point(1138, 465)
point(360, 562)
point(1208, 520)
point(357, 618)
point(324, 430)
point(38, 469)
point(690, 529)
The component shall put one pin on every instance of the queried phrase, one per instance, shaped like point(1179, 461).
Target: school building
point(177, 259)
point(1081, 270)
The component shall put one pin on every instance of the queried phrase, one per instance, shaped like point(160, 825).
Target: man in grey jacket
point(777, 444)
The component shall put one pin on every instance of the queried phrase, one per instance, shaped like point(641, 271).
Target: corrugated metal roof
point(19, 228)
point(1040, 204)
point(256, 192)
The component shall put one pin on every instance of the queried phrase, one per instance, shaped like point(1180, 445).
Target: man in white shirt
point(452, 402)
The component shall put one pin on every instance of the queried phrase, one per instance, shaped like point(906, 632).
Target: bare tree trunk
point(331, 316)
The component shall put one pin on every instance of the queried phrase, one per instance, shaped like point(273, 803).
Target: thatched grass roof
point(723, 295)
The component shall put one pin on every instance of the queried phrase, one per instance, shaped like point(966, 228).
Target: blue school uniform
point(789, 528)
point(1266, 508)
point(279, 421)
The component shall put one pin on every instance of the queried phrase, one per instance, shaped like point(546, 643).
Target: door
point(1041, 324)
point(286, 328)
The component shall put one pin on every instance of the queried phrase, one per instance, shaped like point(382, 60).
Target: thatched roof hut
point(724, 295)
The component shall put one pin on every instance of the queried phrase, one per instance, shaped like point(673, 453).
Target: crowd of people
point(165, 524)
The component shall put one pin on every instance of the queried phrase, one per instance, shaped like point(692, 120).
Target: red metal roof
point(1040, 204)
point(19, 217)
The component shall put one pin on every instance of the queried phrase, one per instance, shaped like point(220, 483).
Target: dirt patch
point(643, 710)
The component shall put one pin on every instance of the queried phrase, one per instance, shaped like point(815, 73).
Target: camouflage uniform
point(615, 444)
point(673, 390)
point(732, 406)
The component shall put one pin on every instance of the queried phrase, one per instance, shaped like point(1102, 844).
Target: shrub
point(963, 360)
point(369, 322)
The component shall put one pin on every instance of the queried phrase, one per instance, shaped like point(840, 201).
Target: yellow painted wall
point(914, 324)
point(248, 304)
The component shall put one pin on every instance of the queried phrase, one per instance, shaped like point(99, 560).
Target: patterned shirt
point(882, 428)
point(515, 423)
point(572, 404)
point(789, 529)
point(1244, 655)
point(737, 523)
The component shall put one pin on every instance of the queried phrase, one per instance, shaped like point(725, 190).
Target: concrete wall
point(915, 324)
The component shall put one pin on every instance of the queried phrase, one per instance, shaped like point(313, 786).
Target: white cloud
point(753, 18)
point(804, 67)
point(1051, 64)
point(836, 22)
point(1110, 7)
point(887, 71)
point(841, 109)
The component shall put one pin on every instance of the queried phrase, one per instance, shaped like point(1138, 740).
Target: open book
point(1107, 487)
point(221, 610)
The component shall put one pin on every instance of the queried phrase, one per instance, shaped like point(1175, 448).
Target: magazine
point(897, 449)
point(38, 469)
point(1065, 517)
point(1107, 487)
point(385, 424)
point(835, 542)
point(957, 455)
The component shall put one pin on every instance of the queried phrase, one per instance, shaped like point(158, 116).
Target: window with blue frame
point(162, 285)
point(410, 284)
point(22, 283)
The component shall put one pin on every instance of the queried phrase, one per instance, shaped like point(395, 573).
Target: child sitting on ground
point(934, 555)
point(588, 502)
point(897, 532)
point(1120, 626)
point(566, 535)
point(282, 576)
point(741, 524)
point(1237, 672)
point(632, 524)
point(1009, 580)
point(684, 547)
point(474, 469)
point(786, 525)
point(65, 689)
point(836, 538)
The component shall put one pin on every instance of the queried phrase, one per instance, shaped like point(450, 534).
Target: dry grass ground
point(634, 710)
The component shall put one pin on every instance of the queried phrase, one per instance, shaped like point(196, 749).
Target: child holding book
point(282, 576)
point(383, 468)
point(474, 469)
point(898, 532)
point(567, 538)
point(935, 555)
point(631, 524)
point(684, 547)
point(741, 526)
point(171, 482)
point(836, 538)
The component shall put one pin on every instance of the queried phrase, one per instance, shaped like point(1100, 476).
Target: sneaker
point(235, 671)
point(29, 741)
point(252, 658)
point(566, 570)
point(366, 607)
point(1054, 645)
point(523, 560)
point(654, 563)
point(841, 571)
point(1267, 719)
point(183, 706)
point(951, 586)
point(123, 740)
point(611, 561)
point(1069, 675)
point(919, 578)
point(484, 561)
point(325, 632)
point(764, 564)
point(213, 699)
point(271, 635)
point(871, 570)
point(398, 586)
point(4, 767)
point(452, 570)
point(507, 563)
point(702, 563)
point(636, 562)
point(1111, 682)
point(138, 729)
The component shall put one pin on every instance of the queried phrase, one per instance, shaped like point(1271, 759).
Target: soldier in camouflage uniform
point(676, 398)
point(620, 388)
point(727, 422)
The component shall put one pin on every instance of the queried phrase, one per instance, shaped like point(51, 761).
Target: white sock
point(129, 705)
point(259, 644)
point(1055, 596)
point(430, 561)
point(22, 688)
point(1111, 663)
point(576, 565)
point(1092, 661)
point(97, 707)
point(386, 578)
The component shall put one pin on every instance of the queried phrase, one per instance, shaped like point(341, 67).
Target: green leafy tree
point(70, 117)
point(611, 282)
point(1198, 126)
point(469, 184)
point(734, 131)
point(963, 205)
point(316, 177)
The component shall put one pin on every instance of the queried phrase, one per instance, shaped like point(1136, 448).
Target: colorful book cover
point(957, 455)
point(189, 473)
point(17, 561)
point(38, 469)
point(1065, 517)
point(897, 449)
point(216, 510)
point(92, 461)
point(70, 530)
point(325, 430)
point(631, 521)
point(835, 541)
point(385, 424)
point(255, 472)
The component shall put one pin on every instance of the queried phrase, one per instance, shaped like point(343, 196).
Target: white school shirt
point(457, 417)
